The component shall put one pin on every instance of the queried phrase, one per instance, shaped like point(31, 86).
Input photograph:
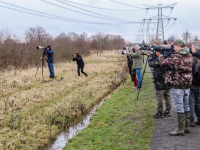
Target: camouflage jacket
point(159, 73)
point(179, 64)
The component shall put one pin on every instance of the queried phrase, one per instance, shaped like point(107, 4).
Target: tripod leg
point(42, 63)
point(142, 77)
point(38, 67)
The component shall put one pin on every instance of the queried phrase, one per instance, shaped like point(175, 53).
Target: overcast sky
point(186, 11)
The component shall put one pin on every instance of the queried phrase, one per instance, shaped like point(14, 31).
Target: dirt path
point(162, 141)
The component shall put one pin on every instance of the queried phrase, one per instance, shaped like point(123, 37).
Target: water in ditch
point(62, 138)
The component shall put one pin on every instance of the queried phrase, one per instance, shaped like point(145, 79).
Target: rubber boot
point(181, 126)
point(187, 122)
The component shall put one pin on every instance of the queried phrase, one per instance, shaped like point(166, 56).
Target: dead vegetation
point(34, 110)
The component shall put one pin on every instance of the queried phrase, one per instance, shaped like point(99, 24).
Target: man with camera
point(179, 78)
point(194, 98)
point(161, 90)
point(138, 65)
point(50, 58)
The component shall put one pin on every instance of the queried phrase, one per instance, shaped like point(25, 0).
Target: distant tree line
point(20, 51)
point(186, 36)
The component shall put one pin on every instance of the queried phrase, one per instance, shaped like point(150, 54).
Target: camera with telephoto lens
point(146, 48)
point(166, 51)
point(41, 48)
point(126, 53)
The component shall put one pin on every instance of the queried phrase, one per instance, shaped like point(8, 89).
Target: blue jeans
point(51, 69)
point(139, 77)
point(181, 100)
point(194, 103)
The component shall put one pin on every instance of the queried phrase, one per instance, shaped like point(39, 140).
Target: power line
point(114, 19)
point(170, 26)
point(51, 16)
point(160, 18)
point(102, 7)
point(125, 4)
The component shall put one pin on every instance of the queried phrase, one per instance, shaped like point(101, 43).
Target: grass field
point(34, 110)
point(122, 122)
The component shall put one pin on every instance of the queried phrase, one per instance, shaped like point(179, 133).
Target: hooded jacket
point(179, 65)
point(79, 61)
point(50, 54)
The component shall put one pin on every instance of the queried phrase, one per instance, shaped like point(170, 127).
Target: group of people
point(50, 60)
point(176, 77)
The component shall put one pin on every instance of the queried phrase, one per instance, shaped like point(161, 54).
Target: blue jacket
point(50, 55)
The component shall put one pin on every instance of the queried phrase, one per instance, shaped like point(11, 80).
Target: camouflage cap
point(179, 42)
point(155, 41)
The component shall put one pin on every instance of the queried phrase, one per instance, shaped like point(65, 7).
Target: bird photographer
point(138, 65)
point(80, 63)
point(179, 79)
point(194, 98)
point(161, 90)
point(50, 59)
point(131, 70)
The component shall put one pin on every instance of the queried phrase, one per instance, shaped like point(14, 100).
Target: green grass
point(122, 122)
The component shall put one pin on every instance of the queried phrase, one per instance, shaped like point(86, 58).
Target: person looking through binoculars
point(80, 63)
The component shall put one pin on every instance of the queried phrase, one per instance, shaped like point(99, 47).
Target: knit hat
point(171, 39)
point(179, 42)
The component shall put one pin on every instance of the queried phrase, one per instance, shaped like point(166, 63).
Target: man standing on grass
point(50, 58)
point(179, 78)
point(138, 65)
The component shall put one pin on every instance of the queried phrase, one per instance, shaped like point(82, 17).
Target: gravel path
point(162, 141)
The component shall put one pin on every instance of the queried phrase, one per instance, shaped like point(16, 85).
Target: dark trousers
point(194, 103)
point(130, 71)
point(81, 67)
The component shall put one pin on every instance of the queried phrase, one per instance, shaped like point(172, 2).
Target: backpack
point(196, 71)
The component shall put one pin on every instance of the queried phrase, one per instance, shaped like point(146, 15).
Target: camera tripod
point(42, 60)
point(144, 71)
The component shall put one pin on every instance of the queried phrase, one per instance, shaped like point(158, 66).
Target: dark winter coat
point(159, 73)
point(129, 61)
point(79, 61)
point(50, 55)
point(197, 55)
